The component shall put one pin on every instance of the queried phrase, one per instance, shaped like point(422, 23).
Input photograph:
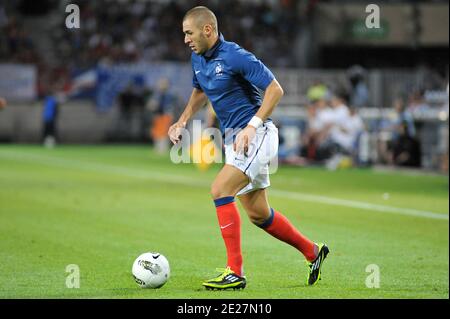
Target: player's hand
point(243, 140)
point(175, 131)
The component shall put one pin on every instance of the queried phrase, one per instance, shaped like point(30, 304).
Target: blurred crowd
point(130, 31)
point(16, 45)
point(335, 134)
point(134, 31)
point(145, 114)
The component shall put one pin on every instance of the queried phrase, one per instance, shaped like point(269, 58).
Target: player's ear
point(208, 30)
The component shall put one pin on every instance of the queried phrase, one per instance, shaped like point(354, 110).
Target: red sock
point(280, 227)
point(230, 226)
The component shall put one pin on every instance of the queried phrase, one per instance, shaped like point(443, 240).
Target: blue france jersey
point(231, 78)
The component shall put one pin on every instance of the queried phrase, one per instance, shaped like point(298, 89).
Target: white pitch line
point(357, 204)
point(178, 179)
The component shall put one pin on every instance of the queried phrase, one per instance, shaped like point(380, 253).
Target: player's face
point(194, 37)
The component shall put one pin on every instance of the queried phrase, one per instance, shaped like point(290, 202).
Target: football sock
point(281, 228)
point(230, 226)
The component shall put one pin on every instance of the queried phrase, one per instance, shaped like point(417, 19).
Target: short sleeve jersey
point(233, 79)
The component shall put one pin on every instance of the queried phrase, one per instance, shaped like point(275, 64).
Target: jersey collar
point(208, 54)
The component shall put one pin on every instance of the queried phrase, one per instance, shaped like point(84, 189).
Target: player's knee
point(256, 218)
point(217, 191)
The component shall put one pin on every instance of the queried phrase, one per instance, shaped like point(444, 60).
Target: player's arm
point(273, 94)
point(197, 100)
point(254, 71)
point(210, 115)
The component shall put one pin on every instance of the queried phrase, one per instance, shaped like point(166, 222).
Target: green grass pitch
point(99, 207)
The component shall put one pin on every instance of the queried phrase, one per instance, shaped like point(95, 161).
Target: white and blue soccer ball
point(151, 270)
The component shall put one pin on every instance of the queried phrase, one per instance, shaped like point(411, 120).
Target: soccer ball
point(151, 270)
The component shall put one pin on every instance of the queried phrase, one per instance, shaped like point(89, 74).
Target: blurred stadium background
point(106, 75)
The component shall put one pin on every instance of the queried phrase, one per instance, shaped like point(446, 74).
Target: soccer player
point(230, 77)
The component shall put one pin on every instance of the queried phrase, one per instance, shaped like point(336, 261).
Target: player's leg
point(228, 182)
point(223, 191)
point(262, 215)
point(273, 222)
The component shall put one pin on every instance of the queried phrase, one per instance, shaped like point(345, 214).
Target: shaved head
point(200, 29)
point(202, 16)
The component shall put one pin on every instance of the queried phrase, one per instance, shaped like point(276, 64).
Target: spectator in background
point(346, 132)
point(339, 129)
point(309, 137)
point(314, 141)
point(406, 149)
point(316, 91)
point(345, 136)
point(50, 116)
point(332, 131)
point(145, 115)
point(162, 104)
point(359, 95)
point(127, 100)
point(417, 103)
point(338, 103)
point(403, 116)
point(324, 121)
point(393, 131)
point(341, 133)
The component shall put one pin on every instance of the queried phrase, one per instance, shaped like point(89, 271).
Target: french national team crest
point(219, 69)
